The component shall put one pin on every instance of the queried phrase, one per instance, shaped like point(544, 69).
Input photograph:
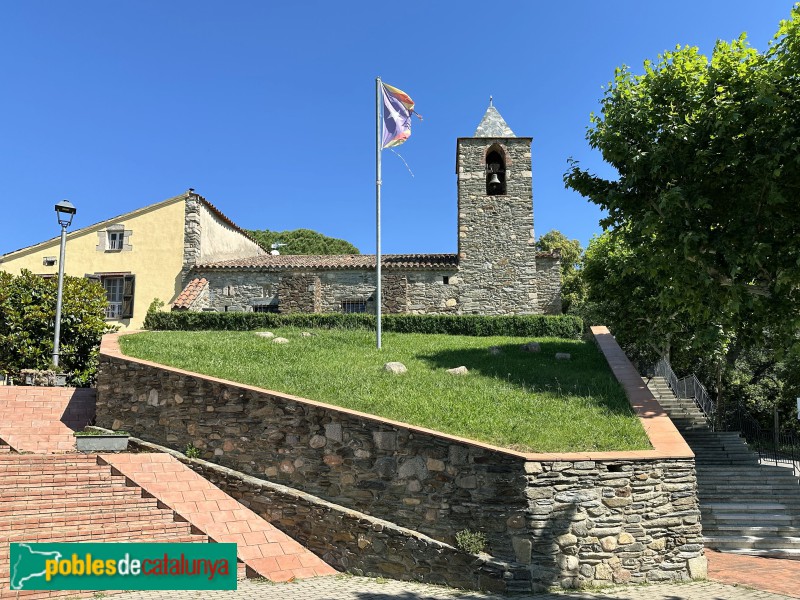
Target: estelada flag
point(397, 110)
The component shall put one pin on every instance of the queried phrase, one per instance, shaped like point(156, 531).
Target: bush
point(562, 326)
point(27, 315)
point(473, 542)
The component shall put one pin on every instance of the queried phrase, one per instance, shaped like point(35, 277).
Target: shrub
point(27, 316)
point(473, 542)
point(562, 326)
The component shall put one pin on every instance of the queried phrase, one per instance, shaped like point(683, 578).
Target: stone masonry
point(496, 248)
point(496, 271)
point(575, 520)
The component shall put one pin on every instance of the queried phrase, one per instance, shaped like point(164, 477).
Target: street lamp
point(65, 211)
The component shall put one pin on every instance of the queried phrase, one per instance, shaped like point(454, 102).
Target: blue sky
point(268, 108)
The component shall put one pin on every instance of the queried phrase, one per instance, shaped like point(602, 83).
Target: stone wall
point(575, 520)
point(355, 542)
point(496, 249)
point(403, 292)
point(299, 293)
point(548, 284)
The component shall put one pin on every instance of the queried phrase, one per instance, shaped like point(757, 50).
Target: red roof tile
point(337, 261)
point(189, 293)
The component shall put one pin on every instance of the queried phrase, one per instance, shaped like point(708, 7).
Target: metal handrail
point(781, 449)
point(688, 387)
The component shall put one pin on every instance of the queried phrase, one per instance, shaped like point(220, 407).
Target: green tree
point(303, 241)
point(27, 314)
point(572, 287)
point(707, 152)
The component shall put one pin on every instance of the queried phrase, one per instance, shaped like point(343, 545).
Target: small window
point(266, 308)
point(115, 240)
point(446, 280)
point(354, 306)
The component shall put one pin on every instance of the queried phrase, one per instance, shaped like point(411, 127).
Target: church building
point(496, 271)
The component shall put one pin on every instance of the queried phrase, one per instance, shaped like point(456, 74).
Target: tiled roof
point(190, 293)
point(337, 261)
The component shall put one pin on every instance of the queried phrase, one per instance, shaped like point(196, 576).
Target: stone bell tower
point(496, 251)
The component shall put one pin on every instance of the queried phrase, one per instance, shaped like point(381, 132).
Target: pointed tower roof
point(492, 125)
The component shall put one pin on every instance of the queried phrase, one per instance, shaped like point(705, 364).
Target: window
point(354, 306)
point(446, 280)
point(266, 308)
point(115, 239)
point(119, 293)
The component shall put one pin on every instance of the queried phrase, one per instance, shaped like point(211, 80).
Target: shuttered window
point(119, 293)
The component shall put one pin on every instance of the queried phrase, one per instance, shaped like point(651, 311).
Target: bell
point(494, 180)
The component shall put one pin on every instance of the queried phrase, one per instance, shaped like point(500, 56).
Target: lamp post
point(65, 211)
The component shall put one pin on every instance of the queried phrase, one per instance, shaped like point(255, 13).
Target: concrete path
point(359, 588)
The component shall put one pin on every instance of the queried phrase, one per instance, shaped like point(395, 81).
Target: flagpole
point(378, 144)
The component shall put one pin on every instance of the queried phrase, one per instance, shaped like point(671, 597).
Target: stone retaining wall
point(574, 519)
point(355, 542)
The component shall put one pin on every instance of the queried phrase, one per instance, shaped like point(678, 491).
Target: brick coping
point(667, 442)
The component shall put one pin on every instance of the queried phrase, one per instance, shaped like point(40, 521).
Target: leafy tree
point(27, 315)
point(572, 287)
point(303, 241)
point(707, 152)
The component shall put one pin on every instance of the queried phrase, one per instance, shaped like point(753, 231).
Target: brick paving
point(777, 575)
point(263, 548)
point(43, 419)
point(359, 588)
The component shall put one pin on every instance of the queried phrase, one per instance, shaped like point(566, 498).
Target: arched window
point(495, 173)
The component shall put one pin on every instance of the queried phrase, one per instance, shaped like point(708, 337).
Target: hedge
point(563, 326)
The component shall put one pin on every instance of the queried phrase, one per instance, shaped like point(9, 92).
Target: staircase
point(72, 498)
point(746, 507)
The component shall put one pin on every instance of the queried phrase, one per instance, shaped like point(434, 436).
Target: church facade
point(496, 271)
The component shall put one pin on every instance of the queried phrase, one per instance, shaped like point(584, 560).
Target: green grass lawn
point(525, 401)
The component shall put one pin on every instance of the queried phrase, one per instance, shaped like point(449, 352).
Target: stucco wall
point(220, 241)
point(155, 256)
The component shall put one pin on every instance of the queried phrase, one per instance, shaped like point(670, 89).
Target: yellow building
point(141, 255)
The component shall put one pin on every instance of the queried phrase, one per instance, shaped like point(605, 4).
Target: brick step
point(108, 532)
point(44, 469)
point(53, 462)
point(63, 480)
point(87, 519)
point(99, 503)
point(61, 497)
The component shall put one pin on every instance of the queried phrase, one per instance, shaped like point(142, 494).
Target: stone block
point(698, 567)
point(522, 549)
point(385, 440)
point(333, 431)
